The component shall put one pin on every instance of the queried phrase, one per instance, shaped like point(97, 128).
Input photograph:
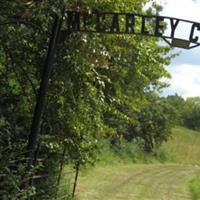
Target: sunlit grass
point(195, 187)
point(184, 146)
point(169, 173)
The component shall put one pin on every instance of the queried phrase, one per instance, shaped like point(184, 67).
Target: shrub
point(195, 187)
point(163, 154)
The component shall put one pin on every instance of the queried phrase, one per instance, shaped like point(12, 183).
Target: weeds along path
point(137, 182)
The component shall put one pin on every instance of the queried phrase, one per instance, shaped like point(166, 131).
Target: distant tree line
point(187, 111)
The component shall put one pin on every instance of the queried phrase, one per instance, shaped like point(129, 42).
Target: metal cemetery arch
point(108, 23)
point(128, 23)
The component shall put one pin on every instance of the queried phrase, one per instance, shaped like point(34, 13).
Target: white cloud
point(185, 80)
point(186, 73)
point(185, 9)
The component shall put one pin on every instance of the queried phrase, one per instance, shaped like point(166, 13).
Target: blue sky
point(185, 69)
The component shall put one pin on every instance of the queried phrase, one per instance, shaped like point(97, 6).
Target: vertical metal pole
point(32, 141)
point(62, 162)
point(77, 167)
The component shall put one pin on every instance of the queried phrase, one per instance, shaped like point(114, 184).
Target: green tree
point(97, 84)
point(178, 104)
point(155, 120)
point(191, 117)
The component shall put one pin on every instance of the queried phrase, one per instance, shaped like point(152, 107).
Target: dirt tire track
point(138, 182)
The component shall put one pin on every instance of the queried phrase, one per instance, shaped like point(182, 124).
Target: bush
point(125, 152)
point(191, 117)
point(195, 187)
point(154, 124)
point(163, 154)
point(129, 151)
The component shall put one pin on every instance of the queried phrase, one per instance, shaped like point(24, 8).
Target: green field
point(155, 181)
point(184, 146)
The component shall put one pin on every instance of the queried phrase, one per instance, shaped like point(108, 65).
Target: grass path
point(137, 182)
point(147, 181)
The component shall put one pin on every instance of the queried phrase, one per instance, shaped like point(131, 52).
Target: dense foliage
point(155, 122)
point(96, 90)
point(191, 116)
point(187, 111)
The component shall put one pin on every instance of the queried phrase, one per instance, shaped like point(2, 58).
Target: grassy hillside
point(183, 146)
point(137, 182)
point(171, 180)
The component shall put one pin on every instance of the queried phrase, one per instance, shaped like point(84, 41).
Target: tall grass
point(127, 152)
point(195, 187)
point(184, 146)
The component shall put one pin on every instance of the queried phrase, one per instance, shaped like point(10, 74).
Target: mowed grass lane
point(137, 182)
point(147, 181)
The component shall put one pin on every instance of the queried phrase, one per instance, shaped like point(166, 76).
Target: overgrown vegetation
point(187, 112)
point(195, 187)
point(102, 87)
point(182, 147)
